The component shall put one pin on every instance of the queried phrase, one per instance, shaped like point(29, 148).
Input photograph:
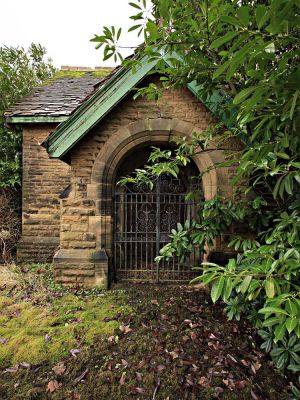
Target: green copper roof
point(114, 89)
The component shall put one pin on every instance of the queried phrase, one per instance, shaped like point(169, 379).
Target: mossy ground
point(138, 341)
point(39, 323)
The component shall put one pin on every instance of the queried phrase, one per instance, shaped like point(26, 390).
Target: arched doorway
point(105, 170)
point(144, 217)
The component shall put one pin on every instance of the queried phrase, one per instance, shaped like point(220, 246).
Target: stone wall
point(43, 181)
point(75, 215)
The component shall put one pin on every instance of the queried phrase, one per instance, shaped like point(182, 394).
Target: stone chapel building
point(81, 133)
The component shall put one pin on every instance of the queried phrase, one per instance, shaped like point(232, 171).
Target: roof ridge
point(84, 69)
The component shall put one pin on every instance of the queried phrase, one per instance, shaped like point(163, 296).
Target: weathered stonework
point(43, 181)
point(81, 267)
point(79, 221)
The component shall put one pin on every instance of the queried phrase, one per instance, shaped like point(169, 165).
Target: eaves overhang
point(68, 133)
point(95, 108)
point(35, 120)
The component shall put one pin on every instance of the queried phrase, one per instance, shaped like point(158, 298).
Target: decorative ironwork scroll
point(143, 221)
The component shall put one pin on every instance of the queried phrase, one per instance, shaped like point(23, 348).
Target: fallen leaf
point(24, 365)
point(111, 339)
point(52, 386)
point(142, 363)
point(155, 302)
point(218, 390)
point(212, 337)
point(255, 367)
point(74, 352)
point(203, 381)
point(160, 349)
point(160, 367)
point(240, 385)
point(253, 370)
point(253, 395)
point(214, 345)
point(3, 341)
point(125, 329)
point(139, 377)
point(137, 390)
point(156, 388)
point(195, 368)
point(231, 358)
point(185, 338)
point(173, 354)
point(12, 370)
point(164, 317)
point(80, 377)
point(47, 338)
point(122, 379)
point(109, 366)
point(189, 381)
point(245, 363)
point(59, 369)
point(187, 362)
point(229, 383)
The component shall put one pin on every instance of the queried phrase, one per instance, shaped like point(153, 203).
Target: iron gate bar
point(157, 222)
point(143, 221)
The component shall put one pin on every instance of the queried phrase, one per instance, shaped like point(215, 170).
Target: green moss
point(69, 321)
point(62, 74)
point(68, 74)
point(101, 73)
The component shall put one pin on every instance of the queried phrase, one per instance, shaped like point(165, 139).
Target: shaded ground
point(155, 342)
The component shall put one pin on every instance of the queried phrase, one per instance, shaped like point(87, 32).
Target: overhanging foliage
point(248, 51)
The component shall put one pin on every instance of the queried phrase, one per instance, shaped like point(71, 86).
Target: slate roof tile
point(59, 97)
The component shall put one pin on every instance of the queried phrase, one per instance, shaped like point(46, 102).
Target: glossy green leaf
point(217, 288)
point(228, 289)
point(245, 284)
point(279, 332)
point(291, 324)
point(222, 40)
point(270, 287)
point(243, 94)
point(272, 310)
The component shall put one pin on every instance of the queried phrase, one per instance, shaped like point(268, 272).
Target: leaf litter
point(179, 346)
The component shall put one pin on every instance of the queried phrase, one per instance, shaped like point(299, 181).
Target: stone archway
point(144, 132)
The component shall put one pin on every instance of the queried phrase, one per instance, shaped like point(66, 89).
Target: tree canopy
point(20, 72)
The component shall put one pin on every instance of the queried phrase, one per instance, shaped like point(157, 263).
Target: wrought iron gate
point(143, 220)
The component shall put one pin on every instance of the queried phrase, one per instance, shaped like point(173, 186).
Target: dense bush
point(244, 55)
point(20, 71)
point(9, 223)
